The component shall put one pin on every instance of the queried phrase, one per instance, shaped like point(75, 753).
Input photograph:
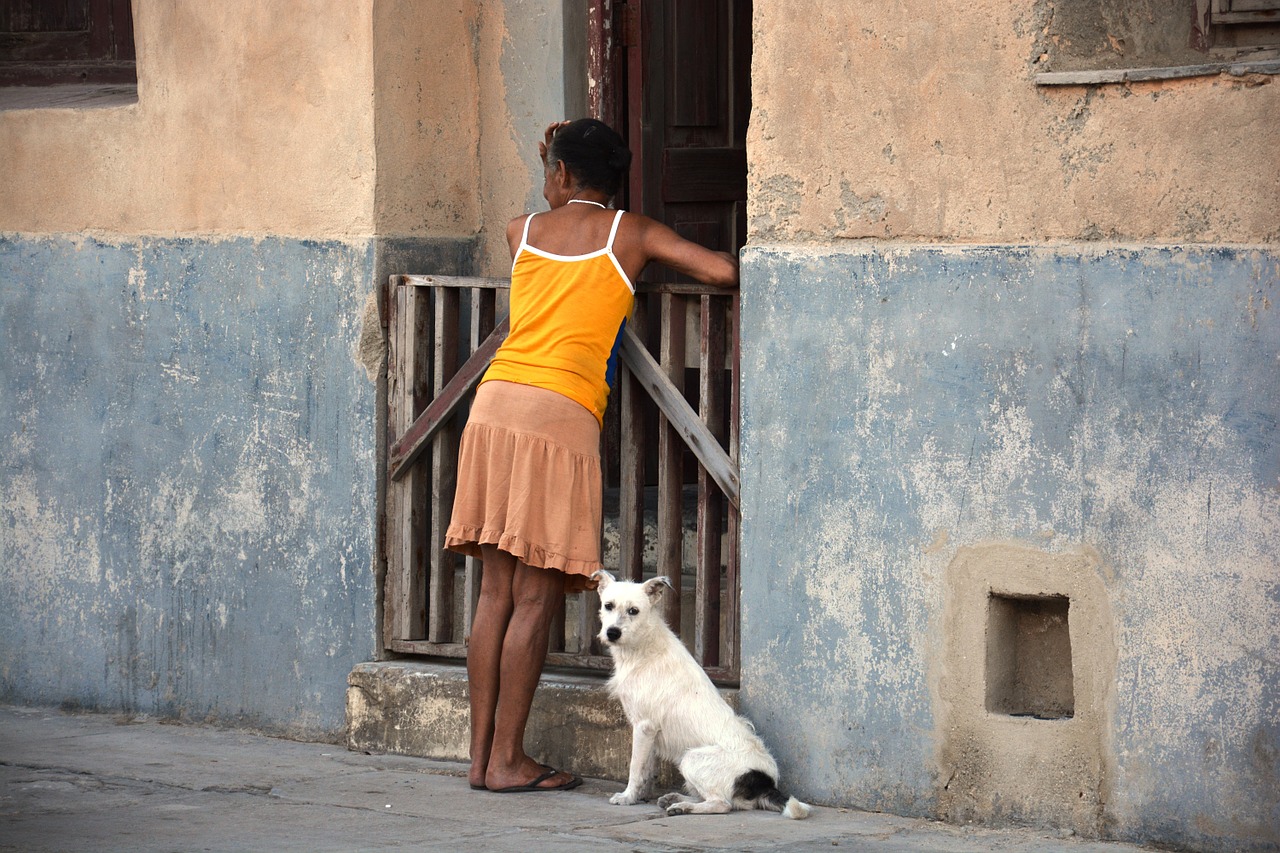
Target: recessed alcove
point(1029, 671)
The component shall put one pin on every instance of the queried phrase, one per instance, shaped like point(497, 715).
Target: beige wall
point(918, 120)
point(427, 104)
point(251, 118)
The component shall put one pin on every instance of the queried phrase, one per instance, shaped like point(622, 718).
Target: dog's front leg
point(643, 735)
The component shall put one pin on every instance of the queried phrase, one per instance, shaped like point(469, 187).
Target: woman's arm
point(660, 243)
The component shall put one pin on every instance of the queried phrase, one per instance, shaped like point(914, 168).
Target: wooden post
point(631, 467)
point(408, 366)
point(483, 318)
point(671, 460)
point(731, 659)
point(710, 500)
point(444, 472)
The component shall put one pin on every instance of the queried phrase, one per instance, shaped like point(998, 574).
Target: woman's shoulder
point(516, 225)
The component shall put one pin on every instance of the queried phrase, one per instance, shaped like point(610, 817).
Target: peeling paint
point(186, 521)
point(1120, 400)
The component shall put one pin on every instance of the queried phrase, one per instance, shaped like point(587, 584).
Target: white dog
point(676, 712)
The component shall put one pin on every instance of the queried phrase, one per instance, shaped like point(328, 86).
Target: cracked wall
point(1038, 325)
point(921, 121)
point(191, 341)
point(987, 409)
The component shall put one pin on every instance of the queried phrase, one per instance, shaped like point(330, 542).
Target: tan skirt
point(529, 481)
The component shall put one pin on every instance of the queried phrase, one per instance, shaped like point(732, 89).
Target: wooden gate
point(669, 456)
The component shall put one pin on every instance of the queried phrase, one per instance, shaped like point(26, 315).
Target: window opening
point(1029, 671)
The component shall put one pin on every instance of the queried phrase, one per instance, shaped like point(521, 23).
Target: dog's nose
point(613, 634)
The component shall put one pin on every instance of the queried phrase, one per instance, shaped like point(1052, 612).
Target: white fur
point(675, 711)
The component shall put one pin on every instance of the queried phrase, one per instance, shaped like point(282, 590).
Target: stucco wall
point(187, 512)
point(920, 121)
point(427, 119)
point(186, 505)
point(251, 118)
point(1098, 424)
point(522, 68)
point(188, 515)
point(1082, 406)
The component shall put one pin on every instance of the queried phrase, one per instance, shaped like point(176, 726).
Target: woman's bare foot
point(475, 776)
point(524, 773)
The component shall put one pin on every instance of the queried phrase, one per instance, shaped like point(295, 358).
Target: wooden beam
point(417, 438)
point(407, 510)
point(682, 417)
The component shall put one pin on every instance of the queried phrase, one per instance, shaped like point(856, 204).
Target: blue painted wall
point(187, 496)
point(900, 405)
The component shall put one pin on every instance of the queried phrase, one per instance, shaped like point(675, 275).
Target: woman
point(529, 499)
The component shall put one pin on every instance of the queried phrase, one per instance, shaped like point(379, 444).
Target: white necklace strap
point(586, 201)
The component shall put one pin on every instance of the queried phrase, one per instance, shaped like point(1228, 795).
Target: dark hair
point(593, 153)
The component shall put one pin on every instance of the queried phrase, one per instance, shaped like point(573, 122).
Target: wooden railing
point(669, 458)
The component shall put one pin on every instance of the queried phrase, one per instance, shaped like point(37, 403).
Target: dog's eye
point(609, 606)
point(633, 611)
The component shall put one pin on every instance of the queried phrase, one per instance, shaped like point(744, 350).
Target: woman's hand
point(546, 143)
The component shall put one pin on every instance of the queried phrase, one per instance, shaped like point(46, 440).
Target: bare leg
point(535, 593)
point(484, 654)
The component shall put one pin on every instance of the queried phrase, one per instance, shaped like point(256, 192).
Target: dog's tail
point(762, 790)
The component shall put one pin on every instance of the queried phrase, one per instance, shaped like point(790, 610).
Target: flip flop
point(536, 785)
point(475, 787)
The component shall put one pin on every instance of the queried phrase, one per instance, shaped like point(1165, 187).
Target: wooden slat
point(406, 499)
point(483, 310)
point(686, 422)
point(711, 404)
point(730, 658)
point(589, 624)
point(671, 461)
point(444, 470)
point(600, 663)
point(631, 469)
point(691, 288)
point(463, 282)
point(417, 437)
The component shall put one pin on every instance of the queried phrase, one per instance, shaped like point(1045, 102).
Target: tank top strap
point(524, 238)
point(613, 232)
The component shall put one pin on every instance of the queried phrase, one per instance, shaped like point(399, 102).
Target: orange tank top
point(567, 317)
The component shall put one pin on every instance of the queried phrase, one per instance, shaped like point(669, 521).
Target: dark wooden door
point(68, 41)
point(688, 99)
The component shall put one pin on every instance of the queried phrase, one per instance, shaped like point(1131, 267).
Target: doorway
point(677, 82)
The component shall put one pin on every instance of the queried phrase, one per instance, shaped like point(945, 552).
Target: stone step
point(421, 709)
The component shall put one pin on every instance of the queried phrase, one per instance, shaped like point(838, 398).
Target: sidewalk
point(95, 782)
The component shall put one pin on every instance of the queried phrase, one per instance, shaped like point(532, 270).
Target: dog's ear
point(653, 587)
point(602, 579)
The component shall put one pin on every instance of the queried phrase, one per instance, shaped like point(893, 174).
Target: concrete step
point(421, 709)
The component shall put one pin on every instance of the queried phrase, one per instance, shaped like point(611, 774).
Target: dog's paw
point(624, 798)
point(667, 800)
point(680, 807)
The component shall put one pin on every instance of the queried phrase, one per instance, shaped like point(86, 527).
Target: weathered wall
point(1042, 415)
point(193, 452)
point(185, 511)
point(919, 120)
point(188, 435)
point(251, 118)
point(521, 55)
point(426, 115)
point(1031, 402)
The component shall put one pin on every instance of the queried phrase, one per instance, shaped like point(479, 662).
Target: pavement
point(90, 782)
